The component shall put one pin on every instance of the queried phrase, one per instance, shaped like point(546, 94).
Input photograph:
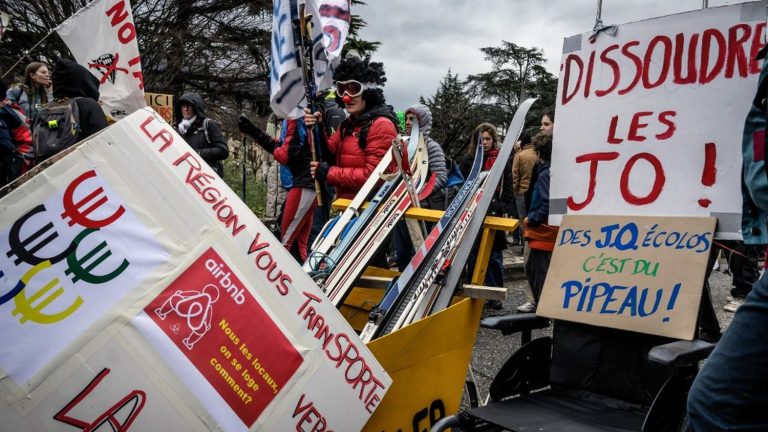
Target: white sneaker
point(733, 305)
point(527, 307)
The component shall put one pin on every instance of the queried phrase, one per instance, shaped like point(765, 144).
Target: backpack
point(455, 178)
point(56, 127)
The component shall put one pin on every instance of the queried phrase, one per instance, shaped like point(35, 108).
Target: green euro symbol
point(79, 272)
point(30, 312)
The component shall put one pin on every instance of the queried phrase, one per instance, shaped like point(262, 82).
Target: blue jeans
point(731, 390)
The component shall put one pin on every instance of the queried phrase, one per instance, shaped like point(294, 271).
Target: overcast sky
point(422, 39)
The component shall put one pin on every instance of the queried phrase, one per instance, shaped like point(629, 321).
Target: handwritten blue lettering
point(627, 237)
point(603, 297)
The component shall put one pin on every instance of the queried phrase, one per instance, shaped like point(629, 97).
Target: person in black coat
point(71, 80)
point(201, 133)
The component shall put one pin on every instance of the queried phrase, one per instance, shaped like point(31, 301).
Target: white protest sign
point(650, 122)
point(130, 274)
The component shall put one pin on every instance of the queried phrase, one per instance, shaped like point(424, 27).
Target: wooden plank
point(364, 298)
point(380, 272)
point(484, 292)
point(429, 215)
point(375, 282)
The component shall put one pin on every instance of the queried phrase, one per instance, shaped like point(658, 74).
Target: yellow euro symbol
point(30, 312)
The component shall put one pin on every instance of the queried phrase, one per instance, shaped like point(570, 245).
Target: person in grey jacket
point(419, 113)
point(402, 247)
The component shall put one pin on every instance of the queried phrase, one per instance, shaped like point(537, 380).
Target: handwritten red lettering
point(658, 182)
point(686, 58)
point(265, 262)
point(310, 416)
point(165, 136)
point(594, 159)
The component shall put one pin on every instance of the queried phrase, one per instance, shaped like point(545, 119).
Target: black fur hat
point(355, 68)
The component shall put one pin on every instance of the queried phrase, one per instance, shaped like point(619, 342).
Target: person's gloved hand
point(246, 126)
point(319, 170)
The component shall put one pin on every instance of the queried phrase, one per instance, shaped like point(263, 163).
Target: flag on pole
point(330, 26)
point(102, 38)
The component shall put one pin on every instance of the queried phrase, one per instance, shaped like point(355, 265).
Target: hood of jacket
point(377, 111)
point(73, 80)
point(193, 99)
point(424, 115)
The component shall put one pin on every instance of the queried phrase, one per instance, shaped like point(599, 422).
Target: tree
point(354, 42)
point(517, 73)
point(218, 48)
point(453, 115)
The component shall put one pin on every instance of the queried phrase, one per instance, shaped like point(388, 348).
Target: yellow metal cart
point(427, 360)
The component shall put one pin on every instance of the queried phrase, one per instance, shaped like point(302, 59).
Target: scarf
point(185, 124)
point(490, 158)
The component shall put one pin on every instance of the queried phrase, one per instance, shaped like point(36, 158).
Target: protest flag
point(102, 38)
point(330, 26)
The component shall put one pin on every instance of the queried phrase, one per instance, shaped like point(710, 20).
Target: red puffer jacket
point(353, 164)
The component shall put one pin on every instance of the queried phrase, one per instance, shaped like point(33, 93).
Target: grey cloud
point(422, 39)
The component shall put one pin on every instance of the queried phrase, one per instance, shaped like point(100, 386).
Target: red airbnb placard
point(226, 334)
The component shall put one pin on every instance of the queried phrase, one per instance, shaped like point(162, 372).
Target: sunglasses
point(353, 88)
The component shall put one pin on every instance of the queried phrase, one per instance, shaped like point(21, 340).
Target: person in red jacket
point(15, 140)
point(353, 151)
point(292, 151)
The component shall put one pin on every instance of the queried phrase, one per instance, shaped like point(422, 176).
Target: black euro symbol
point(75, 211)
point(19, 247)
point(76, 264)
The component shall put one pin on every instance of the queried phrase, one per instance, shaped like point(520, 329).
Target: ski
point(454, 273)
point(333, 229)
point(416, 228)
point(340, 281)
point(419, 263)
point(322, 258)
point(422, 296)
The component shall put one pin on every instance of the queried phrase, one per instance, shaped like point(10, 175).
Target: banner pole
point(26, 53)
point(599, 17)
point(50, 32)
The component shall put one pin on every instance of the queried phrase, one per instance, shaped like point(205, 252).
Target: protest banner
point(137, 290)
point(650, 122)
point(162, 104)
point(642, 274)
point(102, 38)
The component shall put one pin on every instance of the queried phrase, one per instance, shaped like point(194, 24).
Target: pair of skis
point(421, 263)
point(441, 259)
point(349, 267)
point(339, 233)
point(454, 273)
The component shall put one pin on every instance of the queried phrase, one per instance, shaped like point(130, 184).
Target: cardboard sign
point(664, 104)
point(131, 275)
point(643, 274)
point(162, 104)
